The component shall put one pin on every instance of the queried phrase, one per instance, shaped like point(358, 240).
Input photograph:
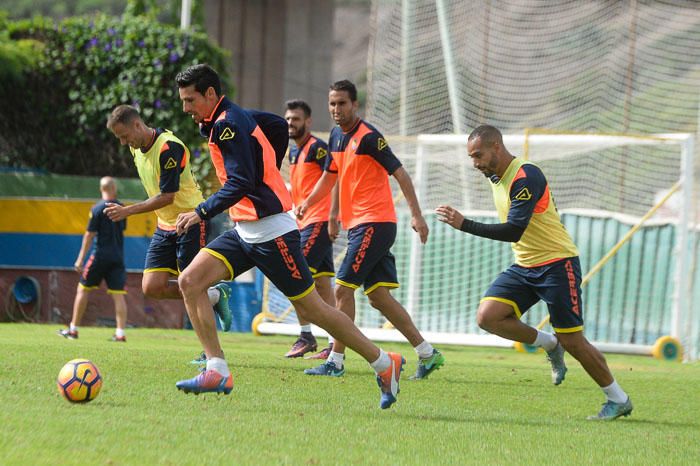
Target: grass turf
point(485, 406)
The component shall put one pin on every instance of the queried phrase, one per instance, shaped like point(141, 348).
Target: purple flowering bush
point(90, 65)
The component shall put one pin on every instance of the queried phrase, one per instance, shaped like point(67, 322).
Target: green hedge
point(55, 118)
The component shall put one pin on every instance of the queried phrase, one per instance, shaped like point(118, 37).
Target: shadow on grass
point(653, 422)
point(515, 382)
point(461, 419)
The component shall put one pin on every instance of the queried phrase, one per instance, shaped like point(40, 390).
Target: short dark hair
point(296, 104)
point(347, 86)
point(487, 133)
point(202, 76)
point(122, 114)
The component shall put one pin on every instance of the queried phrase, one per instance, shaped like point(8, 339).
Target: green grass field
point(486, 406)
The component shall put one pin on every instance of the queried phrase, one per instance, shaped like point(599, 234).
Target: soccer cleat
point(428, 365)
point(388, 380)
point(221, 307)
point(67, 333)
point(556, 358)
point(612, 411)
point(209, 381)
point(304, 344)
point(116, 338)
point(327, 368)
point(323, 354)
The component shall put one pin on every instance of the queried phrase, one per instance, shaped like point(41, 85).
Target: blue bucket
point(25, 289)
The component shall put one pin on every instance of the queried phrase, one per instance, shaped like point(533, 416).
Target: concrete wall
point(280, 49)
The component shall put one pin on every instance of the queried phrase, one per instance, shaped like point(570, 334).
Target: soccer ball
point(79, 381)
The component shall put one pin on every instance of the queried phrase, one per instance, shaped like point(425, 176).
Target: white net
point(603, 66)
point(446, 66)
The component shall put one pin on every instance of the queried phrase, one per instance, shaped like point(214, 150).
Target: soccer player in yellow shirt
point(163, 165)
point(546, 266)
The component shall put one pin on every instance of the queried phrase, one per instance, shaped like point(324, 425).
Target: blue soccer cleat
point(222, 308)
point(428, 365)
point(327, 368)
point(388, 381)
point(612, 411)
point(209, 381)
point(556, 358)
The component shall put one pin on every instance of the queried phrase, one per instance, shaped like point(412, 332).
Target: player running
point(306, 161)
point(265, 235)
point(546, 266)
point(163, 164)
point(361, 162)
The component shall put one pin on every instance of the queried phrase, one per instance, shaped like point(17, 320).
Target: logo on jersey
point(381, 144)
point(354, 144)
point(171, 163)
point(227, 134)
point(321, 153)
point(523, 195)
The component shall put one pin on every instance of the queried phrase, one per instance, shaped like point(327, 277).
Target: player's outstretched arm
point(117, 212)
point(417, 221)
point(506, 232)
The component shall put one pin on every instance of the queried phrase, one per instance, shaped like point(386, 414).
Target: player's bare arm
point(84, 247)
point(417, 221)
point(323, 187)
point(117, 212)
point(333, 223)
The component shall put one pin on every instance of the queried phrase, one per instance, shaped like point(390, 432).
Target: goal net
point(603, 185)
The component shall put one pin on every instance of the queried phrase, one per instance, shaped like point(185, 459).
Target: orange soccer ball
point(79, 381)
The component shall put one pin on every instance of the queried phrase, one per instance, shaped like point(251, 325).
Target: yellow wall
point(60, 216)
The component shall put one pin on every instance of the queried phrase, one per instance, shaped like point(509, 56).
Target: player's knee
point(152, 290)
point(343, 294)
point(377, 300)
point(484, 319)
point(575, 343)
point(310, 309)
point(188, 284)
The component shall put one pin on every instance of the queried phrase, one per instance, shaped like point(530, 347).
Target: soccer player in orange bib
point(265, 235)
point(361, 162)
point(546, 266)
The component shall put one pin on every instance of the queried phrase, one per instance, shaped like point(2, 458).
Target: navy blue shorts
point(318, 249)
point(369, 261)
point(169, 252)
point(280, 259)
point(557, 284)
point(96, 270)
